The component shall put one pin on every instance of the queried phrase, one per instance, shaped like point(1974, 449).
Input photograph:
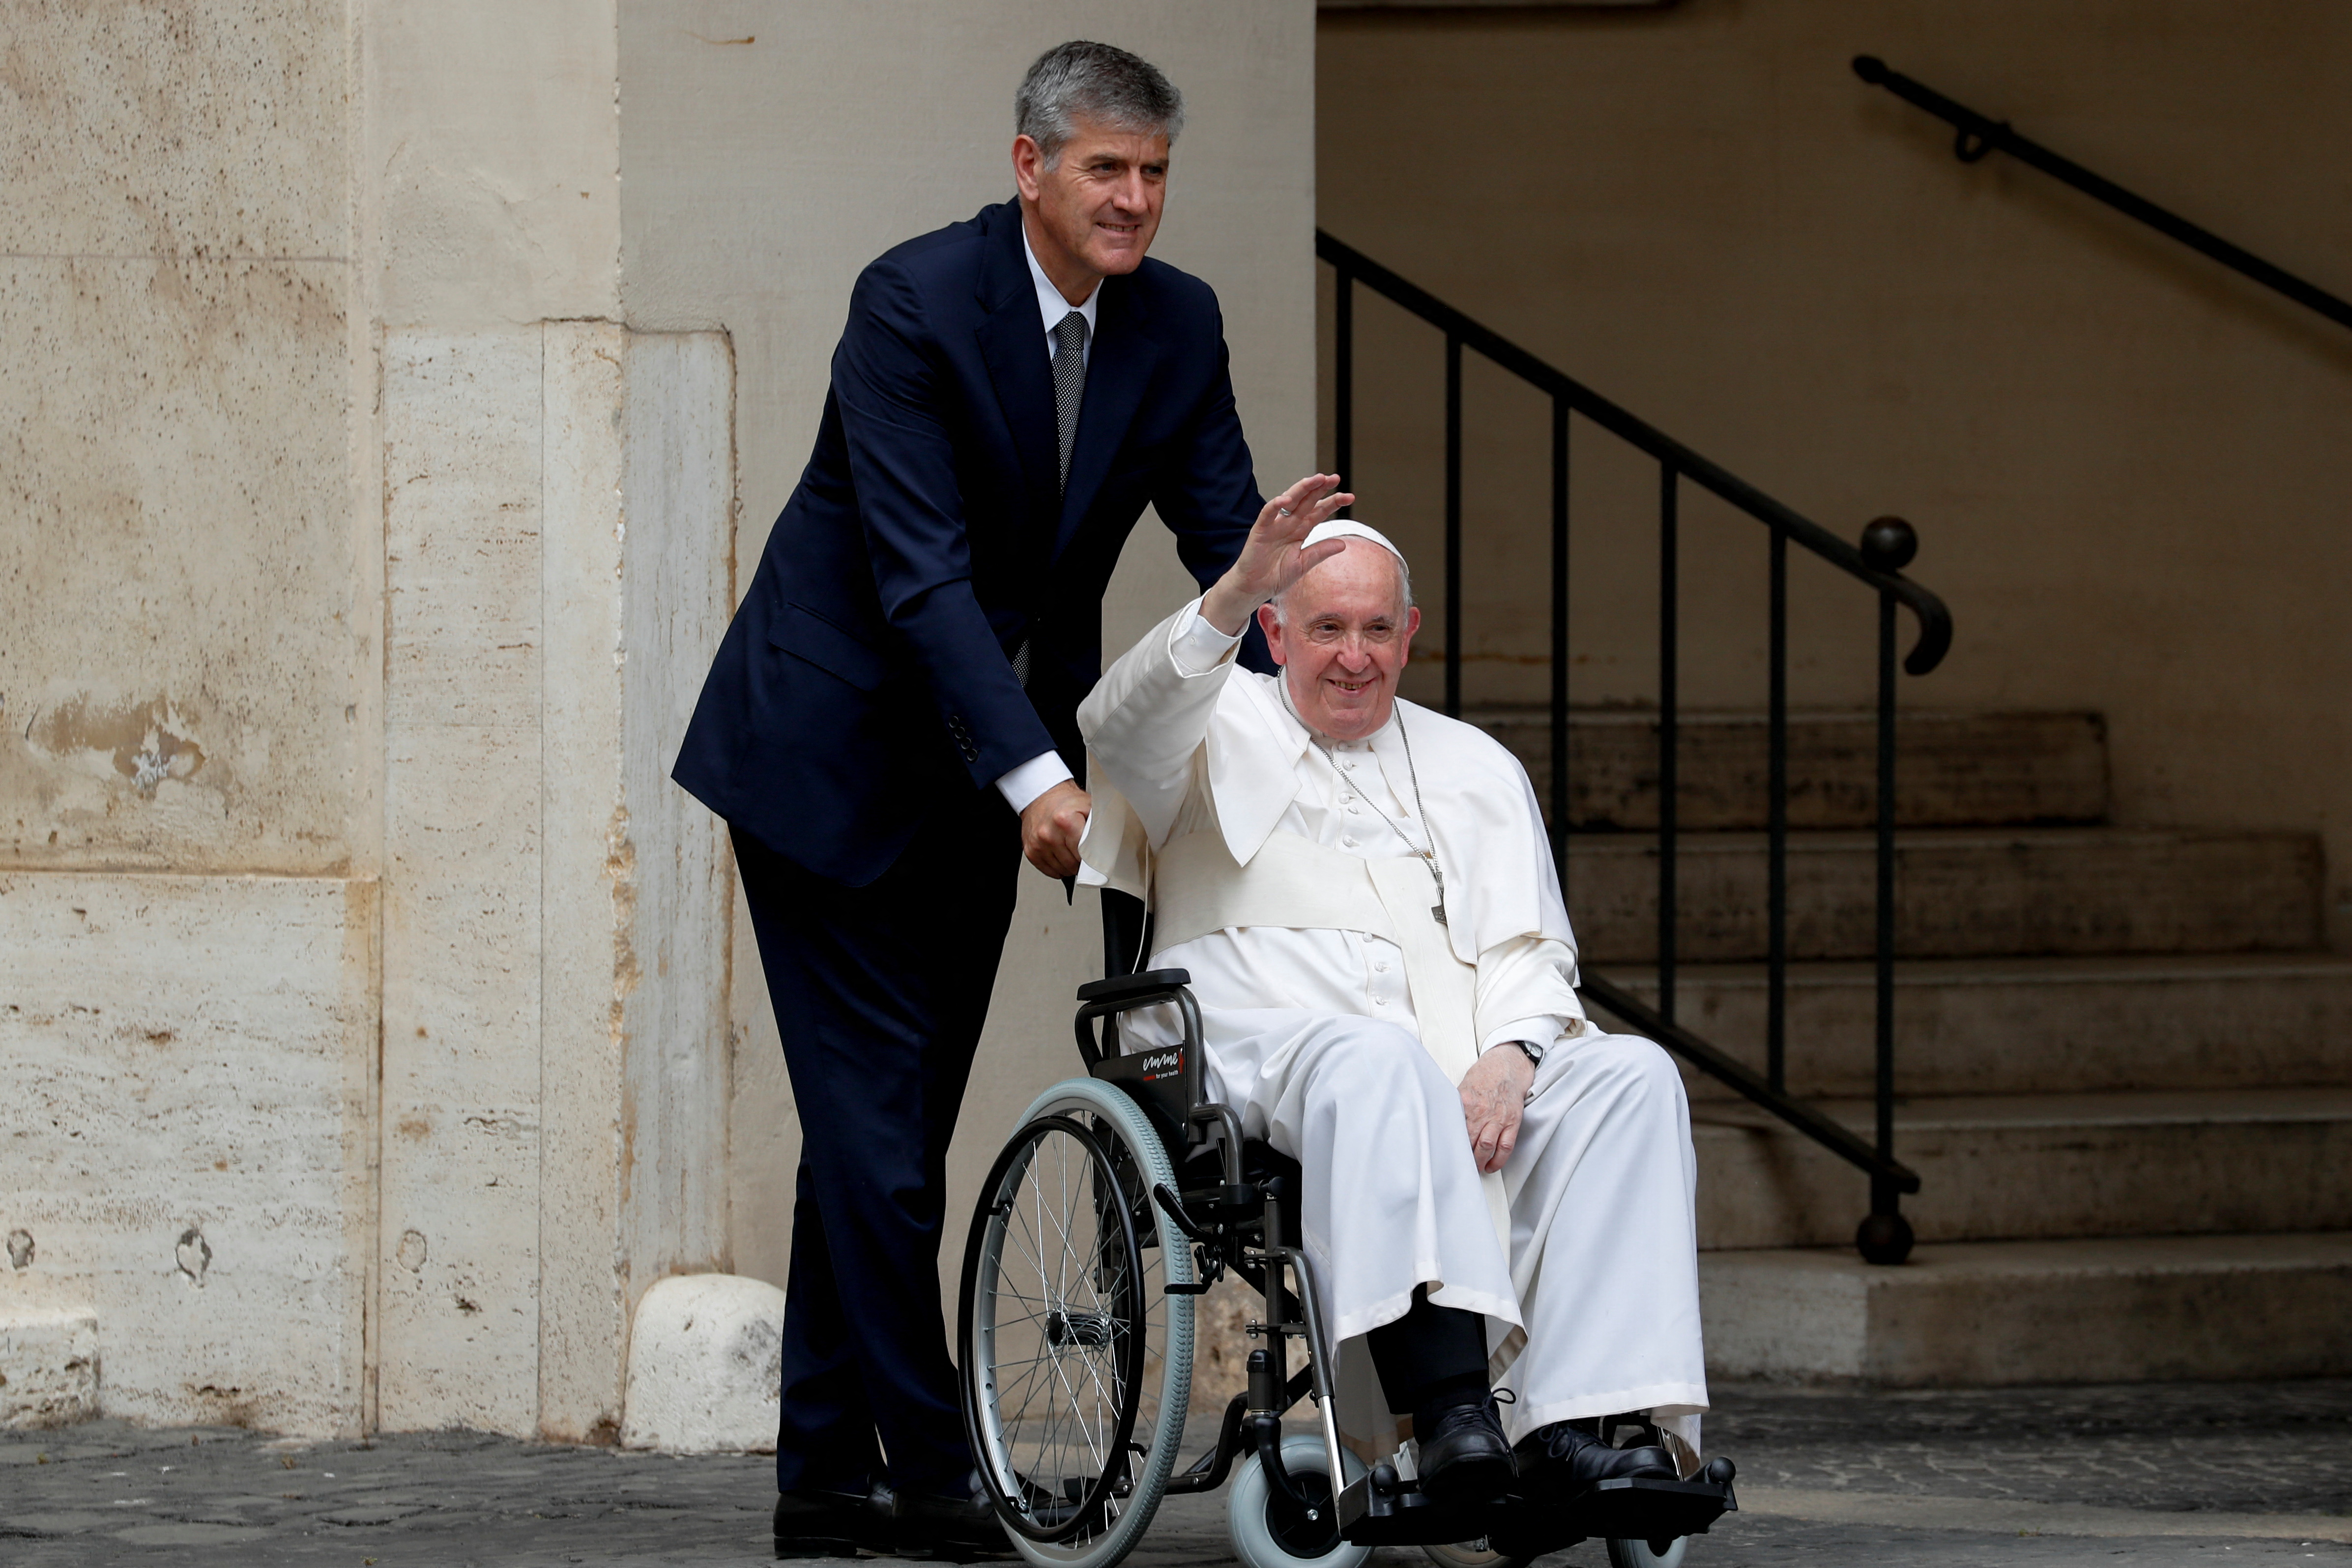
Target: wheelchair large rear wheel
point(1076, 1363)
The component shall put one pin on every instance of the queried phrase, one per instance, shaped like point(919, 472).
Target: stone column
point(559, 502)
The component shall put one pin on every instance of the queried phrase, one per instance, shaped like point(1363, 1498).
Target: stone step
point(1992, 1314)
point(2033, 1025)
point(2036, 1167)
point(1953, 769)
point(1960, 893)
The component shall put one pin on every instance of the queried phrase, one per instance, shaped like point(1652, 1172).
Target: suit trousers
point(879, 993)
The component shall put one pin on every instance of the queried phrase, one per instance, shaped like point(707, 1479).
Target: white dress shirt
point(1042, 771)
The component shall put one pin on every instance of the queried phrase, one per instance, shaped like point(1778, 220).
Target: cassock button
point(1346, 843)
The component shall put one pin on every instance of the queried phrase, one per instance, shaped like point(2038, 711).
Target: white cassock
point(1289, 875)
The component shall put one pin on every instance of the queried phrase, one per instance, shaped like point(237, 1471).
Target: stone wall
point(188, 899)
point(554, 1036)
point(370, 999)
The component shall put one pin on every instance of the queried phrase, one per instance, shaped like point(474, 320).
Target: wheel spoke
point(1070, 1314)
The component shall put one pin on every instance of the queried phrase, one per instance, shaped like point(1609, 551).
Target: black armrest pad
point(1123, 987)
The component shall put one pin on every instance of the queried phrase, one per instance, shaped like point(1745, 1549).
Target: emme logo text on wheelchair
point(1122, 1196)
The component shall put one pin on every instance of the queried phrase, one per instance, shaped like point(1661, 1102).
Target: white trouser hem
point(1387, 1309)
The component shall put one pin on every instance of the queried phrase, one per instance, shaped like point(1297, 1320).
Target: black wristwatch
point(1535, 1052)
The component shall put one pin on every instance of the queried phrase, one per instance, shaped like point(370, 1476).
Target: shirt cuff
point(1195, 646)
point(1032, 779)
point(1540, 1031)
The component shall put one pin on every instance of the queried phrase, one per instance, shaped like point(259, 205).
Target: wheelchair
point(1109, 1212)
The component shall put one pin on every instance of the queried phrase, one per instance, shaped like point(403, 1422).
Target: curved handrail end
point(1935, 628)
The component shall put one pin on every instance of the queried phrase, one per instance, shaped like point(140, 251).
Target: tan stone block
point(555, 1065)
point(180, 685)
point(459, 1244)
point(492, 143)
point(175, 129)
point(48, 1366)
point(458, 1328)
point(462, 518)
point(639, 513)
point(191, 1060)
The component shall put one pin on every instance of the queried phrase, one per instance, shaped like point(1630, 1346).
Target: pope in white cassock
point(1497, 1195)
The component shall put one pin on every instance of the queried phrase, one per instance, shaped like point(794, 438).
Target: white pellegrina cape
point(1499, 881)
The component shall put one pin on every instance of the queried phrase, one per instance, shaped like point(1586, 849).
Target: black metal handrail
point(1887, 547)
point(1976, 135)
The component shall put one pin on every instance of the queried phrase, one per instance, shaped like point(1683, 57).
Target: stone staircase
point(2126, 1061)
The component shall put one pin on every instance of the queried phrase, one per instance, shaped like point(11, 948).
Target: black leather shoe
point(827, 1524)
point(1562, 1458)
point(950, 1529)
point(1466, 1458)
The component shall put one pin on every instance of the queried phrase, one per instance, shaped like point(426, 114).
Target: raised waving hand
point(1271, 560)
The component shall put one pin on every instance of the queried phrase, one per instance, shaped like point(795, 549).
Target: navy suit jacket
point(867, 674)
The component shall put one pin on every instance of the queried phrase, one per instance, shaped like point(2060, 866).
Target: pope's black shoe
point(1464, 1458)
point(827, 1524)
point(960, 1529)
point(1563, 1458)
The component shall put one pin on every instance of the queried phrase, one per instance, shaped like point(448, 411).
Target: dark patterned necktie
point(1069, 390)
point(1069, 383)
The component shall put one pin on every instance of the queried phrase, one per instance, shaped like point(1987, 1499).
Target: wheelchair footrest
point(1378, 1510)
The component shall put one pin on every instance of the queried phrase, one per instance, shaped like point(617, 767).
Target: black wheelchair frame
point(1238, 1205)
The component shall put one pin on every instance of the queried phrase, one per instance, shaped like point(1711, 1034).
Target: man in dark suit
point(890, 723)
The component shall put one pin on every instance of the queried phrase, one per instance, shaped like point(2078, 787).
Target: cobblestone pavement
point(2135, 1478)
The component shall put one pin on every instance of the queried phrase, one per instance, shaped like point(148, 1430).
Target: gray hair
point(1099, 83)
point(1404, 586)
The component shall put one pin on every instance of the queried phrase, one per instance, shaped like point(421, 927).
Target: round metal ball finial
point(1888, 544)
point(1884, 1238)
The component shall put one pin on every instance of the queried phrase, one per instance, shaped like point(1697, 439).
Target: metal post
point(1453, 526)
point(1343, 391)
point(1885, 1236)
point(1668, 716)
point(1776, 873)
point(1885, 943)
point(1560, 640)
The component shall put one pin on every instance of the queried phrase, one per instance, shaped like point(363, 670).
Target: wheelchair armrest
point(1131, 987)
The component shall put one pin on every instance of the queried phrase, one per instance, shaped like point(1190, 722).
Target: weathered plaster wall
point(172, 315)
point(2127, 465)
point(771, 151)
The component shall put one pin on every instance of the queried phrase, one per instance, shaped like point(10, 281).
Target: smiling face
point(1093, 214)
point(1342, 637)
